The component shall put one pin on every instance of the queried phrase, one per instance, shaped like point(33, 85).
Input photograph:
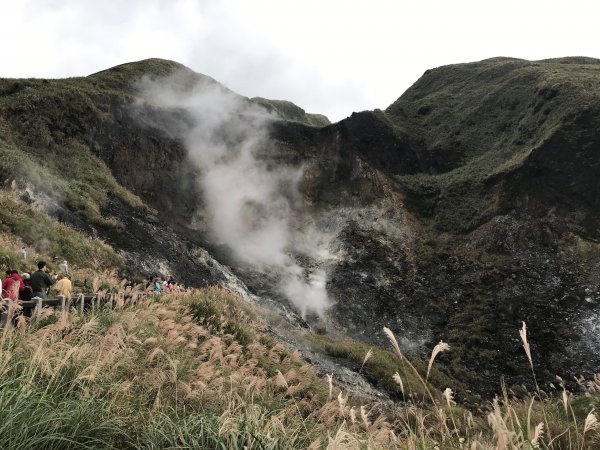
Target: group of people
point(27, 286)
point(158, 284)
point(37, 284)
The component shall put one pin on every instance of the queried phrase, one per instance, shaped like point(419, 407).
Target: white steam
point(249, 201)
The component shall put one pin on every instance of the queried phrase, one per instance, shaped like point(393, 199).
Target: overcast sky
point(330, 56)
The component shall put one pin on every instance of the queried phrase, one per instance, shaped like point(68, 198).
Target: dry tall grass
point(196, 370)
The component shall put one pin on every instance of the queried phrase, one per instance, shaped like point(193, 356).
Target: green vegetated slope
point(33, 226)
point(47, 129)
point(291, 112)
point(35, 229)
point(473, 125)
point(51, 175)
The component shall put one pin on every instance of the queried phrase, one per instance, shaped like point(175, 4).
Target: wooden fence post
point(38, 308)
point(63, 301)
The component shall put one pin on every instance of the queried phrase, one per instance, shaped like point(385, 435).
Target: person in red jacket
point(14, 285)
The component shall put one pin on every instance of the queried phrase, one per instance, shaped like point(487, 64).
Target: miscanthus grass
point(196, 370)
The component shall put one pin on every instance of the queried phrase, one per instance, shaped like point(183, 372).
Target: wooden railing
point(80, 302)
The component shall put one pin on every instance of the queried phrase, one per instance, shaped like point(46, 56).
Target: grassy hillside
point(489, 115)
point(43, 142)
point(73, 177)
point(196, 370)
point(36, 230)
point(472, 125)
point(291, 112)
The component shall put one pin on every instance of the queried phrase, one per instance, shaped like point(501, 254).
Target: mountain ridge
point(462, 209)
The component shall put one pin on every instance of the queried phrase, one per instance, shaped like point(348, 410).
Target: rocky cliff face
point(469, 205)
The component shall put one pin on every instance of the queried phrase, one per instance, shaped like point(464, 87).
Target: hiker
point(22, 253)
point(170, 283)
point(157, 285)
point(27, 293)
point(63, 266)
point(14, 285)
point(64, 286)
point(40, 281)
point(128, 284)
point(6, 278)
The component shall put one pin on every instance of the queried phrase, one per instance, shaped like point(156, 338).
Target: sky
point(331, 57)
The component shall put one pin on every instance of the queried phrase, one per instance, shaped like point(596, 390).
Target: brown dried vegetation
point(201, 355)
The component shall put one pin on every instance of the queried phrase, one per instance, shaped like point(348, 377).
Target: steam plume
point(249, 201)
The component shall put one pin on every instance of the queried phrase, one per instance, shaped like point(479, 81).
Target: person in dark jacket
point(40, 281)
point(27, 293)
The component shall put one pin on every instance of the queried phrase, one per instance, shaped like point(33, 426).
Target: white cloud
point(333, 57)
